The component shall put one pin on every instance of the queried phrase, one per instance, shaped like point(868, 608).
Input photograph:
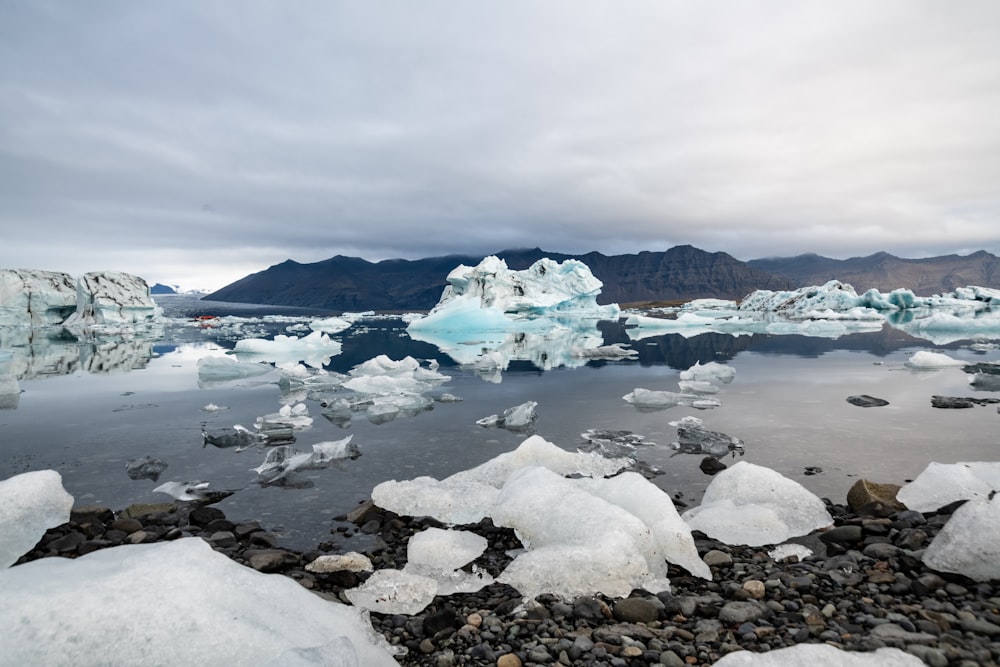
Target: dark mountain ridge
point(885, 272)
point(351, 284)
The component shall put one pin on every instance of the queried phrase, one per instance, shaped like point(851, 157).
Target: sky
point(194, 142)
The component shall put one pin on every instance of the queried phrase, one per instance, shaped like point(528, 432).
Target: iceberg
point(924, 360)
point(518, 418)
point(35, 298)
point(694, 438)
point(969, 544)
point(30, 503)
point(491, 297)
point(283, 460)
point(112, 299)
point(190, 597)
point(386, 389)
point(330, 325)
point(314, 349)
point(941, 484)
point(753, 505)
point(710, 372)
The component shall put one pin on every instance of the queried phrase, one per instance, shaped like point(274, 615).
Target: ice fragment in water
point(752, 505)
point(315, 349)
point(192, 491)
point(710, 372)
point(518, 418)
point(30, 503)
point(694, 438)
point(925, 360)
point(969, 544)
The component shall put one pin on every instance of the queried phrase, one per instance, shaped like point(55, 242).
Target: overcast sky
point(195, 142)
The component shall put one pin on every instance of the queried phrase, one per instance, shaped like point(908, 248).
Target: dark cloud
point(197, 142)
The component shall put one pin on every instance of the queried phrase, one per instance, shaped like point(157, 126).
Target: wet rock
point(866, 492)
point(711, 465)
point(636, 610)
point(866, 401)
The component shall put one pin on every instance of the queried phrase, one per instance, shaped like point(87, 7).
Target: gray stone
point(717, 558)
point(222, 539)
point(735, 613)
point(636, 610)
point(843, 535)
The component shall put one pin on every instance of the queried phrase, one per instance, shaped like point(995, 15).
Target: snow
point(969, 544)
point(941, 484)
point(491, 297)
point(752, 505)
point(820, 655)
point(173, 601)
point(314, 349)
point(30, 503)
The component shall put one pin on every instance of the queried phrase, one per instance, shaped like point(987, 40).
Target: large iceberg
point(753, 505)
point(112, 298)
point(173, 601)
point(491, 297)
point(36, 298)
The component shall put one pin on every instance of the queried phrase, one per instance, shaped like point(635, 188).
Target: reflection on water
point(72, 405)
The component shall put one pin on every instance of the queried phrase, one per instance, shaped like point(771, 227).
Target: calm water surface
point(86, 409)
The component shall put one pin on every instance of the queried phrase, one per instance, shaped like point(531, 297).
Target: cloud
point(204, 141)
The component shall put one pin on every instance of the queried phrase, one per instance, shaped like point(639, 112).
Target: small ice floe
point(613, 444)
point(289, 416)
point(212, 407)
point(282, 461)
point(238, 436)
point(927, 361)
point(694, 438)
point(614, 351)
point(192, 492)
point(330, 325)
point(145, 467)
point(518, 418)
point(651, 399)
point(710, 372)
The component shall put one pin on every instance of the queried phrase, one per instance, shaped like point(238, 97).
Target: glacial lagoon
point(86, 408)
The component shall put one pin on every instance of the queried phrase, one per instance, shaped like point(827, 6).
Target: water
point(87, 408)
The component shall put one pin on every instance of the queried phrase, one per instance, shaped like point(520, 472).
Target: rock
point(734, 613)
point(717, 558)
point(951, 402)
point(847, 535)
point(636, 610)
point(865, 492)
point(126, 524)
point(711, 465)
point(442, 619)
point(270, 560)
point(91, 514)
point(349, 562)
point(139, 510)
point(508, 660)
point(204, 515)
point(755, 589)
point(591, 609)
point(222, 539)
point(866, 401)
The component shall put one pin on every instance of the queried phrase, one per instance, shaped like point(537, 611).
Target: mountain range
point(681, 273)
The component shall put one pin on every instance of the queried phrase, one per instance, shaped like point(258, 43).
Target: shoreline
point(864, 588)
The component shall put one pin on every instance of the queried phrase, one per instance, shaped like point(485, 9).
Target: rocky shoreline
point(864, 588)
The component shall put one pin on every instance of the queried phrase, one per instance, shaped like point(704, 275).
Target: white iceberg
point(753, 505)
point(518, 418)
point(710, 372)
point(969, 544)
point(314, 349)
point(30, 503)
point(330, 325)
point(491, 297)
point(394, 592)
point(188, 596)
point(941, 484)
point(924, 360)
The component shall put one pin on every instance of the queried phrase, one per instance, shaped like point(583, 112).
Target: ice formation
point(941, 484)
point(969, 544)
point(490, 295)
point(36, 298)
point(783, 551)
point(554, 517)
point(820, 655)
point(518, 418)
point(695, 382)
point(710, 372)
point(283, 460)
point(214, 371)
point(752, 505)
point(924, 360)
point(30, 503)
point(314, 349)
point(385, 389)
point(330, 325)
point(694, 438)
point(173, 600)
point(112, 298)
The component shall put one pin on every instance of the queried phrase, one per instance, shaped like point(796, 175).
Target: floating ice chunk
point(932, 360)
point(555, 518)
point(191, 491)
point(30, 503)
point(941, 484)
point(653, 399)
point(84, 606)
point(640, 497)
point(612, 444)
point(394, 592)
point(820, 655)
point(279, 462)
point(969, 544)
point(752, 505)
point(145, 467)
point(218, 370)
point(212, 407)
point(315, 349)
point(783, 551)
point(491, 297)
point(615, 351)
point(518, 418)
point(694, 438)
point(292, 416)
point(352, 561)
point(698, 387)
point(330, 325)
point(325, 452)
point(710, 372)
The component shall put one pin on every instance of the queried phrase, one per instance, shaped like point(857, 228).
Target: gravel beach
point(865, 587)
